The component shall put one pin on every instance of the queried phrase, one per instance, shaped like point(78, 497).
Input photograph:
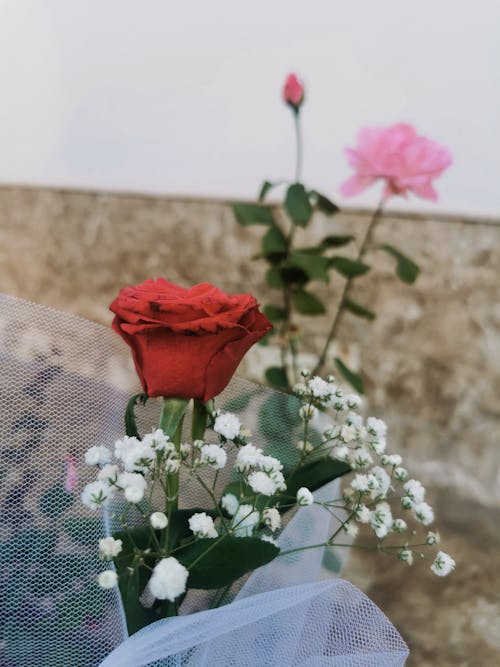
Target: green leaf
point(313, 475)
point(239, 403)
point(274, 313)
point(357, 309)
point(354, 379)
point(335, 241)
point(274, 244)
point(315, 267)
point(406, 269)
point(297, 205)
point(253, 214)
point(274, 278)
point(276, 377)
point(307, 304)
point(215, 563)
point(324, 204)
point(293, 275)
point(349, 268)
point(172, 414)
point(278, 419)
point(55, 501)
point(130, 422)
point(265, 188)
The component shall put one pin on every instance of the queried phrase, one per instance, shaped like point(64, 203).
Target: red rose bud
point(186, 343)
point(293, 92)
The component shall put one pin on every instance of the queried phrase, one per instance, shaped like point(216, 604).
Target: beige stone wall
point(431, 361)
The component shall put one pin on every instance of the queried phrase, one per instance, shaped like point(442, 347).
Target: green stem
point(298, 144)
point(346, 291)
point(171, 420)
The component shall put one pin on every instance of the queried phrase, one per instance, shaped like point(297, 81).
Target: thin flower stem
point(337, 319)
point(201, 556)
point(298, 143)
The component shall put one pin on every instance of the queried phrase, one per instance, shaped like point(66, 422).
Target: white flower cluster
point(262, 473)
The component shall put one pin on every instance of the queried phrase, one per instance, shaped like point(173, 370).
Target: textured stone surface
point(431, 362)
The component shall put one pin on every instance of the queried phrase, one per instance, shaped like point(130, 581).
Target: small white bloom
point(304, 497)
point(98, 455)
point(108, 579)
point(380, 531)
point(124, 445)
point(202, 525)
point(381, 519)
point(383, 482)
point(230, 503)
point(133, 485)
point(272, 518)
point(261, 482)
point(319, 388)
point(399, 526)
point(227, 425)
point(172, 464)
point(406, 555)
point(109, 547)
point(376, 427)
point(214, 455)
point(138, 457)
point(158, 440)
point(299, 388)
point(432, 538)
point(353, 419)
point(268, 538)
point(278, 480)
point(362, 514)
point(443, 564)
point(270, 464)
point(198, 444)
point(351, 528)
point(133, 494)
point(96, 494)
point(305, 372)
point(353, 401)
point(248, 456)
point(185, 450)
point(305, 447)
point(341, 453)
point(423, 513)
point(378, 446)
point(391, 460)
point(168, 580)
point(158, 520)
point(414, 490)
point(108, 473)
point(401, 474)
point(361, 483)
point(332, 432)
point(245, 520)
point(360, 458)
point(308, 412)
point(348, 433)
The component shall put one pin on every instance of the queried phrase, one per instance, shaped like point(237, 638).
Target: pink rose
point(71, 481)
point(293, 91)
point(406, 161)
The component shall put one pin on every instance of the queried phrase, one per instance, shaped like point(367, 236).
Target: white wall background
point(183, 96)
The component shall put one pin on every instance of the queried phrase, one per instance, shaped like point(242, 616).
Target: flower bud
point(158, 520)
point(293, 92)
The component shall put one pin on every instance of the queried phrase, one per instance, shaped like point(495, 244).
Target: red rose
point(186, 343)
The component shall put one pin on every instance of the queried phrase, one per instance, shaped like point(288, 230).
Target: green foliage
point(130, 422)
point(274, 313)
point(306, 303)
point(276, 377)
point(253, 214)
point(349, 268)
point(335, 241)
point(266, 187)
point(313, 475)
point(406, 269)
point(218, 562)
point(274, 278)
point(274, 245)
point(324, 204)
point(297, 205)
point(357, 309)
point(354, 379)
point(315, 267)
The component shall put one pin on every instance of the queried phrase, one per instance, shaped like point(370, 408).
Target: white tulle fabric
point(64, 382)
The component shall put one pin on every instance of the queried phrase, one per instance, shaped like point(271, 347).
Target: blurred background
point(128, 128)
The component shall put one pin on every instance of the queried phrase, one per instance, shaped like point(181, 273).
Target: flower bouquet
point(198, 540)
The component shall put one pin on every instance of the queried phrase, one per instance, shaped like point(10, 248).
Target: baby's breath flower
point(269, 464)
point(401, 474)
point(443, 564)
point(406, 555)
point(229, 502)
point(299, 388)
point(108, 473)
point(109, 547)
point(248, 456)
point(98, 455)
point(423, 513)
point(361, 483)
point(378, 446)
point(305, 447)
point(381, 517)
point(304, 497)
point(383, 482)
point(305, 372)
point(376, 427)
point(360, 458)
point(272, 518)
point(228, 425)
point(432, 538)
point(96, 494)
point(351, 528)
point(158, 520)
point(185, 450)
point(261, 482)
point(341, 453)
point(362, 514)
point(353, 401)
point(202, 525)
point(214, 456)
point(198, 444)
point(308, 412)
point(399, 526)
point(414, 490)
point(348, 433)
point(168, 580)
point(319, 388)
point(108, 579)
point(391, 459)
point(332, 432)
point(158, 440)
point(172, 464)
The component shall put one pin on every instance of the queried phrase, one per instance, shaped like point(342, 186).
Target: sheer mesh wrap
point(64, 384)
